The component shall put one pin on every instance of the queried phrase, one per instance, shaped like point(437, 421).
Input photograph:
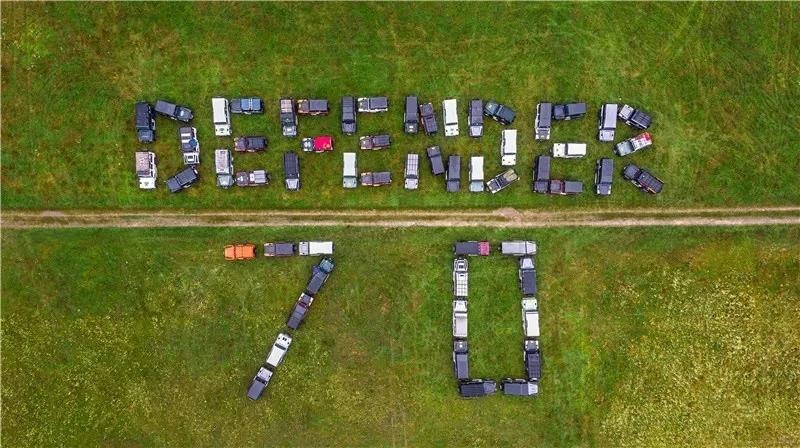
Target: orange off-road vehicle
point(240, 252)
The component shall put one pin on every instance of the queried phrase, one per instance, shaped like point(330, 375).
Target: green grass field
point(651, 337)
point(721, 80)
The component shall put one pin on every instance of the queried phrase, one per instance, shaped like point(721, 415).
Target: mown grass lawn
point(651, 337)
point(721, 80)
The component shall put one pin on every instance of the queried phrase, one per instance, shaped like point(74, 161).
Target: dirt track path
point(499, 218)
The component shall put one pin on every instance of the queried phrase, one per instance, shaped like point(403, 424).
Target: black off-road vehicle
point(312, 106)
point(475, 118)
point(375, 142)
point(636, 118)
point(253, 143)
point(348, 115)
point(569, 111)
point(603, 176)
point(499, 112)
point(173, 111)
point(411, 115)
point(373, 104)
point(435, 157)
point(183, 179)
point(247, 106)
point(145, 122)
point(291, 170)
point(428, 116)
point(643, 179)
point(288, 117)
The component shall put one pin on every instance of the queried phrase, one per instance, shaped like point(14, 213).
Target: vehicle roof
point(573, 186)
point(630, 171)
point(533, 364)
point(280, 248)
point(287, 105)
point(381, 177)
point(323, 141)
point(291, 163)
point(649, 180)
point(523, 388)
point(606, 167)
point(528, 282)
point(576, 108)
point(379, 102)
point(542, 167)
point(165, 107)
point(454, 163)
point(545, 114)
point(142, 112)
point(143, 160)
point(349, 159)
point(315, 282)
point(509, 175)
point(411, 105)
point(476, 166)
point(476, 388)
point(222, 161)
point(507, 112)
point(476, 106)
point(609, 116)
point(188, 174)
